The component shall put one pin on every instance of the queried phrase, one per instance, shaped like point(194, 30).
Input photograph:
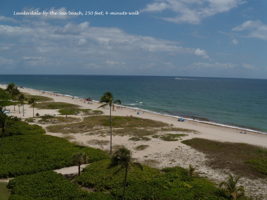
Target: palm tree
point(123, 158)
point(21, 100)
point(3, 121)
point(32, 102)
point(230, 189)
point(108, 99)
point(79, 159)
point(10, 87)
point(13, 90)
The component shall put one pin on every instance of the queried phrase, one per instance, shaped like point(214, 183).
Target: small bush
point(171, 137)
point(139, 138)
point(141, 147)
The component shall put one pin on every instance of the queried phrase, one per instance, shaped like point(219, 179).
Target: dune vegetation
point(243, 159)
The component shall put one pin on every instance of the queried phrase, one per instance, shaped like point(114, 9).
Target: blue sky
point(210, 38)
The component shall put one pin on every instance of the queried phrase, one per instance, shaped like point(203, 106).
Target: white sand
point(163, 153)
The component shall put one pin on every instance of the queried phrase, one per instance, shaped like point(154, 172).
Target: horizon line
point(133, 75)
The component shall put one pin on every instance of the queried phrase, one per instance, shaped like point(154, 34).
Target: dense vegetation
point(5, 98)
point(149, 183)
point(28, 154)
point(243, 159)
point(49, 185)
point(15, 126)
point(4, 95)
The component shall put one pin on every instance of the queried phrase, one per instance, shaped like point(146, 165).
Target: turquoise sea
point(239, 102)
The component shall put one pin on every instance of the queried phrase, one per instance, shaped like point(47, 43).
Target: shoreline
point(212, 123)
point(158, 153)
point(152, 112)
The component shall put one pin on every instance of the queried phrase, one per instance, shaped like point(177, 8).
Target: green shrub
point(170, 183)
point(47, 186)
point(26, 154)
point(16, 127)
point(4, 94)
point(171, 137)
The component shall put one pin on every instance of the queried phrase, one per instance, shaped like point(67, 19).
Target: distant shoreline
point(189, 118)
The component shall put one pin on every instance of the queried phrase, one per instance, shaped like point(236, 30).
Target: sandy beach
point(161, 153)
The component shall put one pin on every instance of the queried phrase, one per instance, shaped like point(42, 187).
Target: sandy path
point(73, 170)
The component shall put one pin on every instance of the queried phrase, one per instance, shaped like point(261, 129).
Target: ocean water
point(239, 102)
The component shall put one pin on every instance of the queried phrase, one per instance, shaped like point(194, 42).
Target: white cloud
point(202, 53)
point(253, 29)
point(248, 66)
point(213, 65)
point(60, 47)
point(235, 41)
point(191, 11)
point(7, 19)
point(6, 61)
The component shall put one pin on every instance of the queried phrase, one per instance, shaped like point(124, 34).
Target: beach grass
point(37, 98)
point(76, 111)
point(171, 137)
point(4, 192)
point(55, 105)
point(140, 138)
point(243, 159)
point(49, 119)
point(103, 121)
point(137, 132)
point(69, 111)
point(98, 142)
point(141, 147)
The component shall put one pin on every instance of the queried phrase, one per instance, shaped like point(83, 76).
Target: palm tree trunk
point(79, 170)
point(33, 111)
point(110, 125)
point(125, 182)
point(19, 108)
point(23, 110)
